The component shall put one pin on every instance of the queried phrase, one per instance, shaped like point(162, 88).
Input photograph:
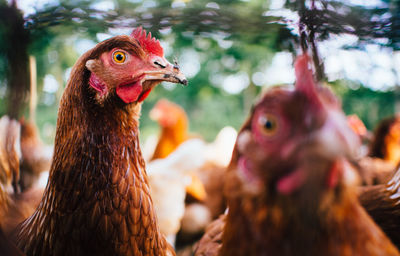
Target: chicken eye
point(268, 124)
point(119, 57)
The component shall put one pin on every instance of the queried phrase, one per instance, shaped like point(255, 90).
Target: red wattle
point(291, 182)
point(129, 92)
point(144, 95)
point(334, 174)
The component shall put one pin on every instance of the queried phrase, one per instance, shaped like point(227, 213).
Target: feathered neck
point(340, 227)
point(97, 200)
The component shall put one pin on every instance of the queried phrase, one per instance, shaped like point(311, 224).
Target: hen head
point(167, 113)
point(293, 149)
point(131, 66)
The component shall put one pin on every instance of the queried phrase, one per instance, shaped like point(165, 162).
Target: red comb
point(149, 43)
point(304, 77)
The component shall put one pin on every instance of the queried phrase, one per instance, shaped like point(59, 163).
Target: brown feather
point(96, 159)
point(288, 185)
point(382, 204)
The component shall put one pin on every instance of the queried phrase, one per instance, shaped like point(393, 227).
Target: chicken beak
point(169, 73)
point(337, 138)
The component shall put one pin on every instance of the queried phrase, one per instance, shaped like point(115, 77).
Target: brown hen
point(14, 205)
point(384, 153)
point(288, 185)
point(97, 200)
point(382, 202)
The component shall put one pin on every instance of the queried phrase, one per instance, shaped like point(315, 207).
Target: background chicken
point(7, 248)
point(23, 152)
point(384, 153)
point(174, 125)
point(288, 185)
point(181, 162)
point(382, 203)
point(170, 177)
point(198, 214)
point(97, 200)
point(15, 205)
point(35, 156)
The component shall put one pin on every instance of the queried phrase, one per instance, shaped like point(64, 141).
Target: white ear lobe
point(91, 65)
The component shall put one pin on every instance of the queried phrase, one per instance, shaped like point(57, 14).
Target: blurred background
point(229, 50)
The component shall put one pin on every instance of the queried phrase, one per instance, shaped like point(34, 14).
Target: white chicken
point(170, 176)
point(168, 179)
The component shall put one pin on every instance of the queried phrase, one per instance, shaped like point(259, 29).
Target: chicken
point(218, 155)
point(23, 151)
point(382, 203)
point(386, 141)
point(174, 127)
point(374, 171)
point(10, 152)
point(35, 156)
point(174, 131)
point(7, 248)
point(97, 200)
point(290, 185)
point(14, 206)
point(168, 179)
point(357, 125)
point(384, 153)
point(172, 178)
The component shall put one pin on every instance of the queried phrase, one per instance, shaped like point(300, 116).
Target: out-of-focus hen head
point(386, 140)
point(293, 149)
point(167, 114)
point(130, 66)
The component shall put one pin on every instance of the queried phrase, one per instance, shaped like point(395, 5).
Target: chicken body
point(384, 153)
point(382, 204)
point(172, 178)
point(15, 206)
point(97, 200)
point(174, 127)
point(287, 184)
point(36, 157)
point(386, 141)
point(168, 179)
point(7, 248)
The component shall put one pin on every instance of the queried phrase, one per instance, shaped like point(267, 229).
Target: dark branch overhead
point(327, 18)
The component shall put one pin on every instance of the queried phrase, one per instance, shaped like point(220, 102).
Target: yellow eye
point(119, 57)
point(268, 124)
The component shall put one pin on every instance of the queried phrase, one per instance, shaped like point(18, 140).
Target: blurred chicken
point(36, 157)
point(174, 127)
point(357, 125)
point(384, 153)
point(174, 123)
point(198, 214)
point(7, 248)
point(386, 141)
point(290, 187)
point(206, 177)
point(14, 206)
point(168, 179)
point(30, 157)
point(382, 202)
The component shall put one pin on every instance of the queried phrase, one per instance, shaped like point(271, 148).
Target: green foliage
point(223, 37)
point(370, 106)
